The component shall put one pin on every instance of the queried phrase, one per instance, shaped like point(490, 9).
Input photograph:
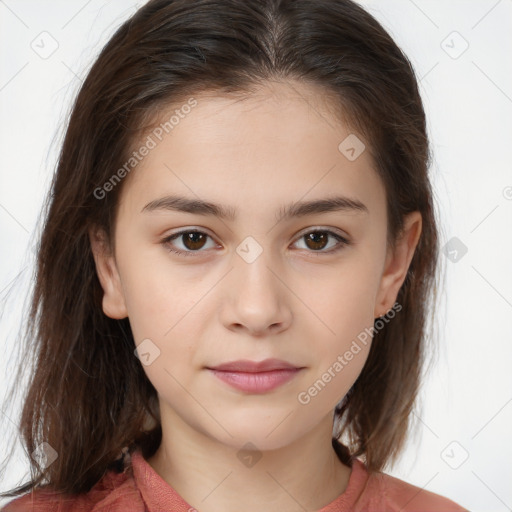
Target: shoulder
point(114, 492)
point(387, 493)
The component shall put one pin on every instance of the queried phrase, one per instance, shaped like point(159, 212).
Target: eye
point(193, 240)
point(318, 239)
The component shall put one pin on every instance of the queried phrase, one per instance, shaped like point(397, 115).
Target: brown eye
point(316, 240)
point(194, 240)
point(191, 242)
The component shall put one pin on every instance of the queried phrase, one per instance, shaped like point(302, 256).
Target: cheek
point(163, 307)
point(347, 302)
point(163, 326)
point(157, 296)
point(346, 307)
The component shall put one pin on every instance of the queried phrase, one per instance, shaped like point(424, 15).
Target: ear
point(113, 297)
point(397, 263)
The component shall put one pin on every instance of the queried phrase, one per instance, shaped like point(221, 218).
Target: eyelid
point(309, 229)
point(330, 229)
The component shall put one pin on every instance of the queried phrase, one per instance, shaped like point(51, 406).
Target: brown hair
point(88, 396)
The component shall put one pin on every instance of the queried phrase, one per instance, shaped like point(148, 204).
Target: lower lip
point(257, 382)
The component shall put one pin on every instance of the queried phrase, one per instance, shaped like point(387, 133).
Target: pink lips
point(255, 377)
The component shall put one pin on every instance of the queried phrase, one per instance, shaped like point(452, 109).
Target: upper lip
point(245, 365)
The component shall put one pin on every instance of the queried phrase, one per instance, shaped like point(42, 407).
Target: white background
point(467, 400)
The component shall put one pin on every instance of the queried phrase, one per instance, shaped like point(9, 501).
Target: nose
point(257, 300)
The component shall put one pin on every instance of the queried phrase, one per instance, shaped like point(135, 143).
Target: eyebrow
point(297, 209)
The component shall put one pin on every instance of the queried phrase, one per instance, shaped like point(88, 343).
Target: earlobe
point(397, 264)
point(113, 297)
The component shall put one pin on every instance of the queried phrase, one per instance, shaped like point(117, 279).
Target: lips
point(255, 377)
point(247, 366)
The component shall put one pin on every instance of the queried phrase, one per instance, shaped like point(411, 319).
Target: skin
point(277, 146)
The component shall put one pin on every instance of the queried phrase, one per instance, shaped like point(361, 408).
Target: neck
point(303, 475)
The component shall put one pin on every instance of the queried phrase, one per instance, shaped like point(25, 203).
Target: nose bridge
point(252, 263)
point(256, 297)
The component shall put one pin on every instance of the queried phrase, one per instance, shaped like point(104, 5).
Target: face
point(269, 279)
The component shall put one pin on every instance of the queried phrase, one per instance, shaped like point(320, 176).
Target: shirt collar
point(159, 496)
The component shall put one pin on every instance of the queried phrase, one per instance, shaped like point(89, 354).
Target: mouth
point(255, 377)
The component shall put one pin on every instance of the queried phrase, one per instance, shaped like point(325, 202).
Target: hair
point(168, 51)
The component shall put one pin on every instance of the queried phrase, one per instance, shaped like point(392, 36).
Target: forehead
point(282, 138)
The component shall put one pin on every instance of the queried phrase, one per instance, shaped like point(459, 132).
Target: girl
point(236, 269)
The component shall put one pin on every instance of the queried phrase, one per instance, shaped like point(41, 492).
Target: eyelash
point(343, 242)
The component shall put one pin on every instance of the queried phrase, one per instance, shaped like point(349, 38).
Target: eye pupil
point(318, 237)
point(191, 240)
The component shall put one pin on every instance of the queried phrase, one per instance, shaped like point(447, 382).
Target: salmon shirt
point(139, 488)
